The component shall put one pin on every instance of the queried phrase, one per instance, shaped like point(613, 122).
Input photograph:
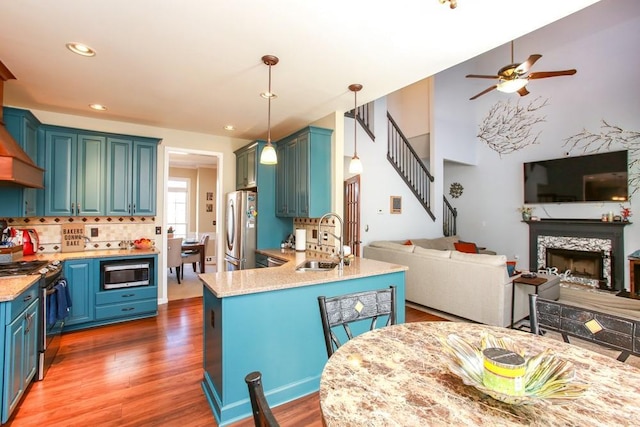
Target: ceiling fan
point(514, 78)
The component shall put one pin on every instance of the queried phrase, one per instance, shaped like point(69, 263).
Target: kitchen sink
point(314, 265)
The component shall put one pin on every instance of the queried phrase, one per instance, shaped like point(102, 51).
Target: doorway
point(205, 203)
point(352, 214)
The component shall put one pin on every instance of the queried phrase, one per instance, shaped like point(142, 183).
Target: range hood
point(16, 167)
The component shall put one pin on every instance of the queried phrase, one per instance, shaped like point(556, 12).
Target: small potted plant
point(625, 213)
point(170, 231)
point(526, 212)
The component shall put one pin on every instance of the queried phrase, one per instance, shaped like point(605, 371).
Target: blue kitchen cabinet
point(81, 280)
point(247, 166)
point(131, 176)
point(250, 173)
point(23, 127)
point(20, 319)
point(303, 177)
point(75, 172)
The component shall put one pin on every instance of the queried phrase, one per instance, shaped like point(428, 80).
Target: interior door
point(352, 214)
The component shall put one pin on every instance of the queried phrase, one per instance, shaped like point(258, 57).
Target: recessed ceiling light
point(98, 107)
point(81, 49)
point(229, 127)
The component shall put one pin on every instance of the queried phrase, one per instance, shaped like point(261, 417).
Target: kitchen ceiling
point(195, 65)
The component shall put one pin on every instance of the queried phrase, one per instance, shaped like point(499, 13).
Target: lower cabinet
point(20, 329)
point(94, 306)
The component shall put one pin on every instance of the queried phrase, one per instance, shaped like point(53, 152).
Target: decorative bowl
point(143, 244)
point(547, 379)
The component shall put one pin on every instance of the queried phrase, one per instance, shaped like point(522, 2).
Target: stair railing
point(449, 218)
point(365, 118)
point(408, 165)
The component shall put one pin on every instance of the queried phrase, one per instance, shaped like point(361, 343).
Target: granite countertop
point(241, 282)
point(11, 287)
point(397, 376)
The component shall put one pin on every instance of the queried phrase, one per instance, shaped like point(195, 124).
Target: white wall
point(601, 43)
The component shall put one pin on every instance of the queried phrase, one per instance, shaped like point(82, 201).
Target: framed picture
point(395, 204)
point(209, 196)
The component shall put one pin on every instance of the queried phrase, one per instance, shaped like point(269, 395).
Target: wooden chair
point(193, 257)
point(607, 330)
point(345, 309)
point(262, 415)
point(174, 255)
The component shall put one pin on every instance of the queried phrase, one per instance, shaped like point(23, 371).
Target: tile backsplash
point(331, 225)
point(112, 232)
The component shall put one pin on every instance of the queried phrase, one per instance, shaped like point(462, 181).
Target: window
point(178, 206)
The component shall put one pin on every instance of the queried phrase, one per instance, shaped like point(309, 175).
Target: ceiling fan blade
point(482, 76)
point(523, 91)
point(526, 65)
point(545, 74)
point(487, 90)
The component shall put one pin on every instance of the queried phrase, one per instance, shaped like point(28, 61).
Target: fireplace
point(580, 236)
point(580, 264)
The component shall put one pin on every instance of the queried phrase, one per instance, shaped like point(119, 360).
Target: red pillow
point(466, 247)
point(408, 243)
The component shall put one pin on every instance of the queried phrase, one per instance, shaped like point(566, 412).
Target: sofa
point(473, 286)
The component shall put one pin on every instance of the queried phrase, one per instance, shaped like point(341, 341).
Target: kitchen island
point(268, 320)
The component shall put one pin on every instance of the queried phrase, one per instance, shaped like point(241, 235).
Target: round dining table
point(398, 376)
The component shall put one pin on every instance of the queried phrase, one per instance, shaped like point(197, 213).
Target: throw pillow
point(466, 247)
point(511, 268)
point(408, 242)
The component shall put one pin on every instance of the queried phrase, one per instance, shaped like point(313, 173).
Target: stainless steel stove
point(48, 334)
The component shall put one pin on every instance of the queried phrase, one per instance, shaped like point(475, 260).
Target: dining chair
point(174, 255)
point(262, 415)
point(193, 256)
point(346, 309)
point(607, 330)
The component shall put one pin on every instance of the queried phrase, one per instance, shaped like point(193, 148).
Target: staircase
point(449, 218)
point(407, 163)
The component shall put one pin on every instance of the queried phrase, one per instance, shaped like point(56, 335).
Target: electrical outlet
point(325, 236)
point(516, 256)
point(314, 234)
point(94, 232)
point(158, 230)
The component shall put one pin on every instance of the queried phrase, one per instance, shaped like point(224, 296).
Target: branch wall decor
point(508, 128)
point(607, 140)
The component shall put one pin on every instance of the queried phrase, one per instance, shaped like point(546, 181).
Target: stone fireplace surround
point(580, 234)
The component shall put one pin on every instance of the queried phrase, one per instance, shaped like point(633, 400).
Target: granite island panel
point(268, 320)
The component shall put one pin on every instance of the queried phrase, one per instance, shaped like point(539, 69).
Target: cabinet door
point(82, 282)
point(252, 164)
point(14, 347)
point(302, 174)
point(241, 170)
point(292, 176)
point(118, 176)
point(91, 158)
point(60, 173)
point(281, 181)
point(144, 178)
point(30, 145)
point(31, 319)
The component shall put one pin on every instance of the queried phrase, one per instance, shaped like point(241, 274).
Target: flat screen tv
point(591, 178)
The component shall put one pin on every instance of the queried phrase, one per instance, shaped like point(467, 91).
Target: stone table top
point(242, 282)
point(397, 376)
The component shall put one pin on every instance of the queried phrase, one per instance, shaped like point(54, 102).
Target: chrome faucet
point(341, 249)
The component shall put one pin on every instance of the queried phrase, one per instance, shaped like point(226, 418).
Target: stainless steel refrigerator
point(240, 233)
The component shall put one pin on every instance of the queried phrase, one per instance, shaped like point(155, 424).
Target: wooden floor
point(141, 373)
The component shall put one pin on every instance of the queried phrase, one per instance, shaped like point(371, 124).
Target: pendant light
point(268, 155)
point(355, 165)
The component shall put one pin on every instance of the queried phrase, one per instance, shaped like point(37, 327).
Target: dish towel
point(59, 302)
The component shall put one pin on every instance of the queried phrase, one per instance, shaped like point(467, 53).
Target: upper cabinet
point(74, 172)
point(23, 127)
point(131, 176)
point(303, 175)
point(247, 166)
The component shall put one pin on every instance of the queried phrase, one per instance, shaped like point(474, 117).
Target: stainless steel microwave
point(116, 274)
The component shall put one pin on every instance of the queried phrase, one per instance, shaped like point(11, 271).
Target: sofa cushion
point(497, 260)
point(441, 243)
point(391, 245)
point(466, 247)
point(435, 253)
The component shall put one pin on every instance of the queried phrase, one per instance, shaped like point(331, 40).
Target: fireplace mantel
point(585, 228)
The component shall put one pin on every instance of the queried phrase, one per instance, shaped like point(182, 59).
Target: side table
point(534, 281)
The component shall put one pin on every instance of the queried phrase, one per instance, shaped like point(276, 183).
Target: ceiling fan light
point(511, 86)
point(268, 155)
point(355, 165)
